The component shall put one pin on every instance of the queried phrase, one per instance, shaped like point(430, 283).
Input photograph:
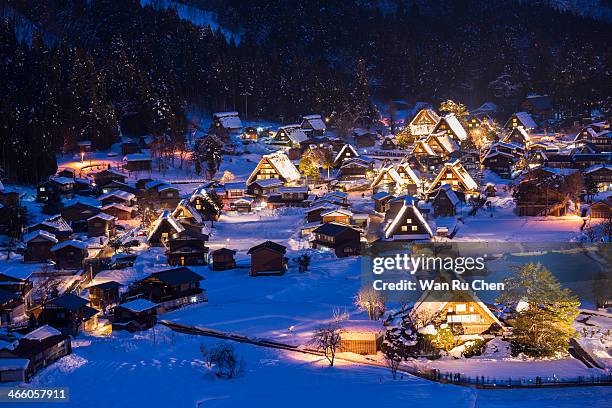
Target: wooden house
point(449, 125)
point(12, 309)
point(381, 201)
point(77, 215)
point(163, 228)
point(602, 209)
point(135, 315)
point(601, 175)
point(388, 143)
point(42, 347)
point(118, 197)
point(38, 246)
point(339, 237)
point(423, 122)
point(130, 147)
point(346, 152)
point(538, 198)
point(314, 125)
point(137, 162)
point(354, 169)
point(363, 138)
point(268, 258)
point(289, 197)
point(161, 194)
point(290, 135)
point(186, 213)
point(69, 254)
point(223, 259)
point(104, 177)
point(242, 205)
point(101, 225)
point(363, 337)
point(69, 314)
point(115, 185)
point(172, 288)
point(250, 134)
point(408, 224)
point(499, 162)
point(396, 179)
point(104, 295)
point(204, 202)
point(187, 248)
point(442, 144)
point(18, 283)
point(120, 212)
point(462, 311)
point(313, 214)
point(275, 166)
point(337, 215)
point(517, 135)
point(422, 148)
point(226, 122)
point(233, 192)
point(454, 174)
point(522, 119)
point(262, 189)
point(446, 201)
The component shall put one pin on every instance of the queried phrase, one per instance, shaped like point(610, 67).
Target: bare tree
point(224, 359)
point(371, 301)
point(327, 339)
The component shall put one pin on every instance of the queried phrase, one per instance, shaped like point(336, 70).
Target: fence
point(516, 382)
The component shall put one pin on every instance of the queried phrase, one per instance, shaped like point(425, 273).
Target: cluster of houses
point(406, 188)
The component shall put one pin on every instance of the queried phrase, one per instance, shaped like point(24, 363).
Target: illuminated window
point(414, 228)
point(461, 307)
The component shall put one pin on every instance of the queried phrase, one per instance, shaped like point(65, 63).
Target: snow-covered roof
point(62, 180)
point(448, 143)
point(138, 305)
point(42, 333)
point(117, 206)
point(102, 216)
point(229, 120)
point(296, 135)
point(136, 157)
point(341, 152)
point(296, 189)
point(361, 329)
point(423, 143)
point(39, 233)
point(409, 203)
point(338, 211)
point(446, 188)
point(280, 161)
point(455, 126)
point(7, 364)
point(457, 168)
point(429, 112)
point(315, 121)
point(124, 195)
point(171, 220)
point(71, 242)
point(526, 119)
point(269, 182)
point(186, 205)
point(598, 167)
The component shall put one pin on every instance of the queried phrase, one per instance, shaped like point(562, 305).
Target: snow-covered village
point(189, 220)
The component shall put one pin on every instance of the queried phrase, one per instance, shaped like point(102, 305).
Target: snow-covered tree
point(371, 301)
point(543, 325)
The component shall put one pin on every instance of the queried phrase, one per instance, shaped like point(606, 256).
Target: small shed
point(361, 336)
point(223, 259)
point(268, 258)
point(138, 314)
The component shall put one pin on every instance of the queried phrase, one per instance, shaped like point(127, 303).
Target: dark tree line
point(116, 64)
point(433, 50)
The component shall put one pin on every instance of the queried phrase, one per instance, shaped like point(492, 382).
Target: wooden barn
point(446, 201)
point(38, 246)
point(602, 209)
point(69, 254)
point(268, 258)
point(104, 295)
point(341, 238)
point(223, 259)
point(135, 315)
point(69, 314)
